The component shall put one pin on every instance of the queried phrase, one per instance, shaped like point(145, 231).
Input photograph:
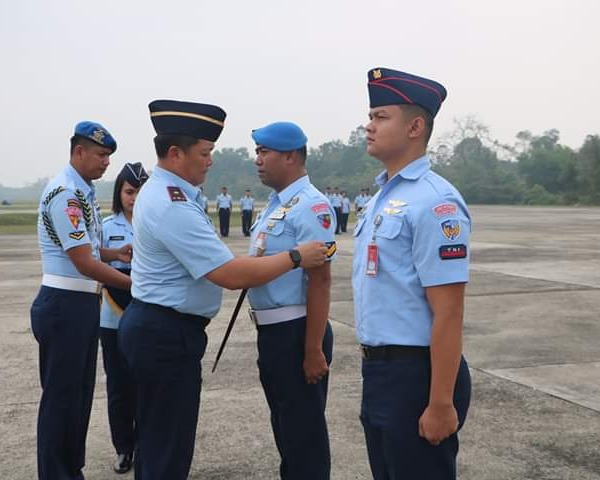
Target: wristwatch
point(295, 256)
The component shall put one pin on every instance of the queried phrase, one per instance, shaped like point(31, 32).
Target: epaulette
point(176, 194)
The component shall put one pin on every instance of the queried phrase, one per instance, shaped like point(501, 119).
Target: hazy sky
point(515, 65)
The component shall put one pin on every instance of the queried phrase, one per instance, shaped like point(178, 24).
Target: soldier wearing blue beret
point(411, 265)
point(295, 339)
point(117, 231)
point(65, 315)
point(178, 269)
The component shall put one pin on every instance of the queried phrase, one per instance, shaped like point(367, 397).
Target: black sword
point(234, 315)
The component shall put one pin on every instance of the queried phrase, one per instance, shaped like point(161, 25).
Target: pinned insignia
point(293, 201)
point(397, 203)
point(331, 249)
point(320, 208)
point(392, 211)
point(99, 135)
point(377, 74)
point(444, 209)
point(451, 229)
point(176, 194)
point(78, 235)
point(74, 212)
point(270, 226)
point(324, 220)
point(280, 213)
point(452, 252)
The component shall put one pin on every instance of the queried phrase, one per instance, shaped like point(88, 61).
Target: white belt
point(70, 283)
point(277, 315)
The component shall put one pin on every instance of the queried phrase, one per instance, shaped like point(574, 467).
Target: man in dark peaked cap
point(410, 270)
point(178, 269)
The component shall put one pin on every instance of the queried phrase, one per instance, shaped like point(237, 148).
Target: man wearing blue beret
point(295, 340)
point(178, 269)
point(411, 265)
point(65, 315)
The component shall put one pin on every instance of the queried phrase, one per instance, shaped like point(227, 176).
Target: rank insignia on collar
point(451, 229)
point(176, 194)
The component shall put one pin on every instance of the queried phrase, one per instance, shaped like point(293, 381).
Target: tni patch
point(452, 252)
point(176, 194)
point(451, 229)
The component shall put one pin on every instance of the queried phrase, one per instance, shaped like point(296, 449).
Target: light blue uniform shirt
point(297, 214)
point(203, 201)
point(345, 205)
point(70, 222)
point(224, 201)
point(116, 232)
point(174, 247)
point(360, 201)
point(336, 200)
point(422, 241)
point(246, 203)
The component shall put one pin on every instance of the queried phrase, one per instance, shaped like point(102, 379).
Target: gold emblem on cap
point(377, 74)
point(99, 135)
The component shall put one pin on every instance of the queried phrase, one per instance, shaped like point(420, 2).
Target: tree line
point(534, 170)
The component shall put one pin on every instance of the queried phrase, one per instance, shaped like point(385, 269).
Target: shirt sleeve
point(441, 234)
point(66, 215)
point(317, 221)
point(188, 235)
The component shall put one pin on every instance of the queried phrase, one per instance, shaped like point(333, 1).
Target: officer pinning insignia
point(176, 194)
point(324, 220)
point(445, 209)
point(453, 252)
point(451, 229)
point(78, 235)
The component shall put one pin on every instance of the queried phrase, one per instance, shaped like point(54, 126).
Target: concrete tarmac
point(532, 339)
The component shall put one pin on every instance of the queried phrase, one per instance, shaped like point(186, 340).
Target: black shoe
point(123, 463)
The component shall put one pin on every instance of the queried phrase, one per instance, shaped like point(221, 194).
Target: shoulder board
point(108, 219)
point(176, 194)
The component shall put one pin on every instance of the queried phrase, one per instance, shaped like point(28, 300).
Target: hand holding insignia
point(314, 254)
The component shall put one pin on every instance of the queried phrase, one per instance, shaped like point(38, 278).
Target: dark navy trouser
point(119, 391)
point(65, 325)
point(246, 222)
point(297, 408)
point(163, 349)
point(395, 394)
point(224, 214)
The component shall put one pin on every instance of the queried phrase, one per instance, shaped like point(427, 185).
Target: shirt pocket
point(390, 244)
point(276, 238)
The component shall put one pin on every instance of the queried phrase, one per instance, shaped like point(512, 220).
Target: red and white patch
point(320, 208)
point(444, 209)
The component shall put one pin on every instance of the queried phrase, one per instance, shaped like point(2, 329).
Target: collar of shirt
point(121, 220)
point(292, 189)
point(412, 171)
point(80, 183)
point(188, 189)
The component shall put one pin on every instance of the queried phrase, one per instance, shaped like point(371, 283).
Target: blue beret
point(280, 136)
point(196, 120)
point(134, 174)
point(391, 87)
point(96, 133)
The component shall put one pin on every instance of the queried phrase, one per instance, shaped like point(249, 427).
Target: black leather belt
point(392, 352)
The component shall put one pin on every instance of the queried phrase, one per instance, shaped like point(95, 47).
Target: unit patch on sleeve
point(78, 235)
point(176, 194)
point(324, 220)
point(445, 209)
point(451, 229)
point(74, 212)
point(452, 252)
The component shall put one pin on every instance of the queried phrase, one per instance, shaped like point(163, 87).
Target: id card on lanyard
point(373, 250)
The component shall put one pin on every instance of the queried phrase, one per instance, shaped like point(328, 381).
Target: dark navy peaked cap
point(96, 133)
point(392, 87)
point(197, 120)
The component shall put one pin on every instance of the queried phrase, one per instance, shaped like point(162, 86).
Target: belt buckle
point(253, 318)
